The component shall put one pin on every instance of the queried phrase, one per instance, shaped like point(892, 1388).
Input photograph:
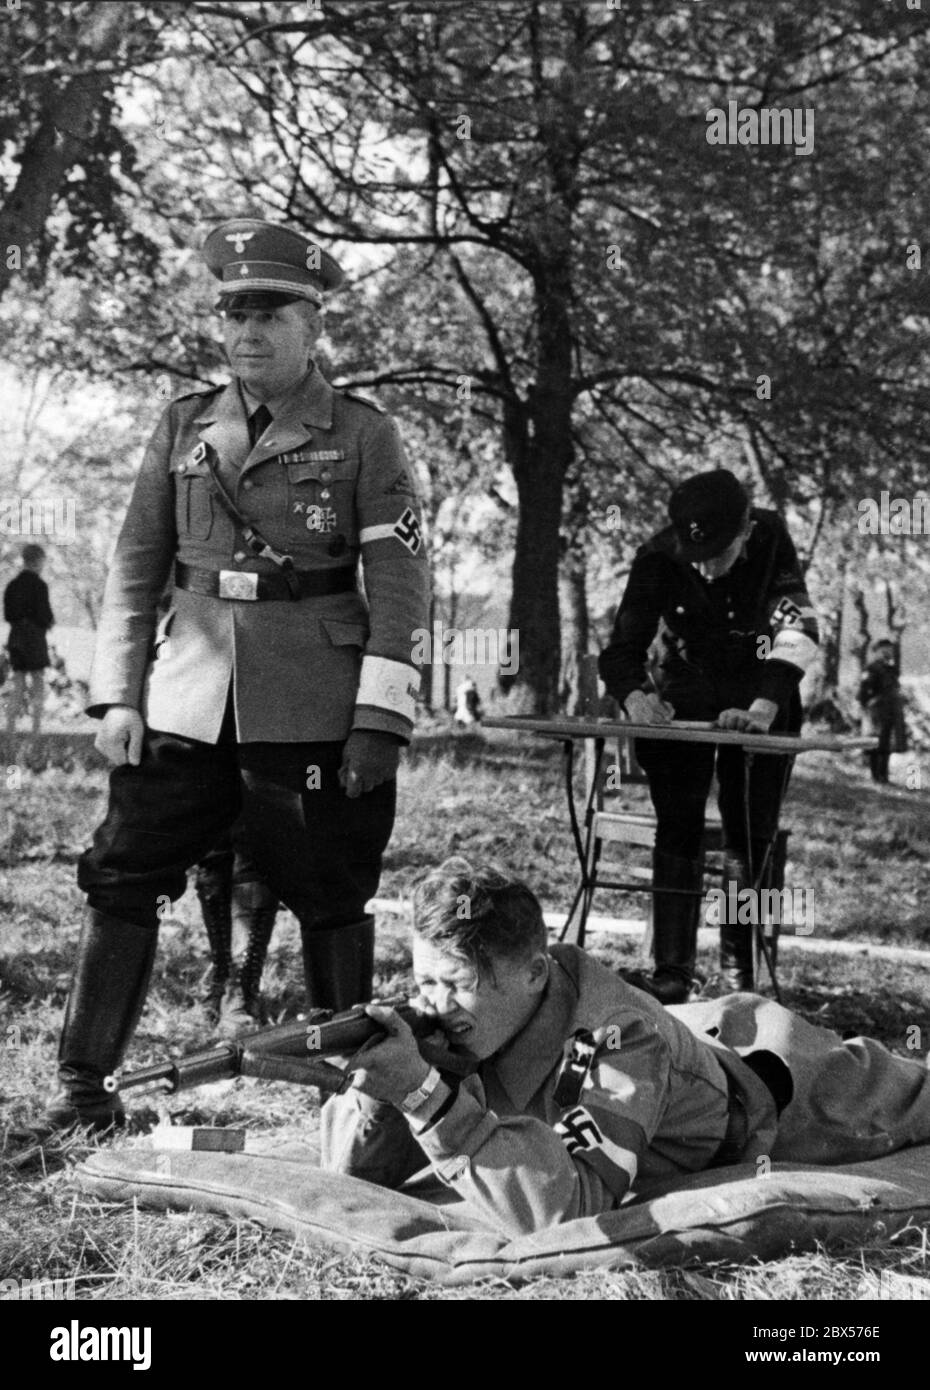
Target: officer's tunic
point(327, 482)
point(652, 1101)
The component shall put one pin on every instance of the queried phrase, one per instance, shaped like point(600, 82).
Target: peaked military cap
point(257, 258)
point(707, 511)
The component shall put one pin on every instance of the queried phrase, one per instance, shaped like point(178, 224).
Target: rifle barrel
point(217, 1063)
point(305, 1042)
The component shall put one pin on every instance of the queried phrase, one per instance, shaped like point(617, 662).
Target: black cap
point(707, 512)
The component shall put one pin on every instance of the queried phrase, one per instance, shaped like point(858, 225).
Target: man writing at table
point(721, 593)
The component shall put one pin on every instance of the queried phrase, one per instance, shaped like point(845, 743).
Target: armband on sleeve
point(387, 687)
point(794, 631)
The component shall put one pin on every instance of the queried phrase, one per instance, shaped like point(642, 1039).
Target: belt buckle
point(238, 584)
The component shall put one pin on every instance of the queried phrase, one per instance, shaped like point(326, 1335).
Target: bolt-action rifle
point(294, 1051)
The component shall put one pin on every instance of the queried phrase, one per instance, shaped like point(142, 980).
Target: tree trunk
point(428, 674)
point(831, 629)
point(447, 666)
point(534, 600)
point(539, 468)
point(575, 589)
point(65, 127)
point(897, 622)
point(861, 649)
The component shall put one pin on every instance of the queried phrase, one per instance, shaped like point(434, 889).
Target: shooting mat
point(725, 1214)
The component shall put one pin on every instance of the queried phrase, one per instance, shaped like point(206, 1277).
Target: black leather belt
point(251, 588)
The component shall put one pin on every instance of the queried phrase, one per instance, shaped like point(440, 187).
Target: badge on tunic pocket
point(321, 519)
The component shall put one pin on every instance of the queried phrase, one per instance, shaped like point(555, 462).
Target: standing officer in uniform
point(722, 592)
point(584, 1087)
point(271, 684)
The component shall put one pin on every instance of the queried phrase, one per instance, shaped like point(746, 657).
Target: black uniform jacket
point(716, 644)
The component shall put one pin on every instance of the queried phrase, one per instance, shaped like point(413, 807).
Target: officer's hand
point(388, 1068)
point(647, 709)
point(369, 758)
point(120, 735)
point(757, 719)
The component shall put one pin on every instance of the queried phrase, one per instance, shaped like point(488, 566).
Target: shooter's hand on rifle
point(389, 1068)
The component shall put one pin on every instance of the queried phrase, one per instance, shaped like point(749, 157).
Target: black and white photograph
point(465, 667)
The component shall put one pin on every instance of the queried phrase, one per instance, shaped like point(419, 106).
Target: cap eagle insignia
point(238, 240)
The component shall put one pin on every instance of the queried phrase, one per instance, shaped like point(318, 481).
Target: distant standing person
point(467, 704)
point(883, 705)
point(27, 609)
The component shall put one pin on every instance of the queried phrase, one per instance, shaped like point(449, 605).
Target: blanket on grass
point(734, 1214)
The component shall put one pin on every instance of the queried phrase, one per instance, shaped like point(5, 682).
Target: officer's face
point(479, 1011)
point(268, 349)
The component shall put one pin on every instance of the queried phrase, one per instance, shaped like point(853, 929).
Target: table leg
point(757, 876)
point(574, 927)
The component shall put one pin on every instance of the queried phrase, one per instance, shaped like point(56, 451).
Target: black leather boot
point(674, 928)
point(339, 964)
point(213, 884)
point(254, 909)
point(675, 923)
point(736, 940)
point(737, 946)
point(111, 980)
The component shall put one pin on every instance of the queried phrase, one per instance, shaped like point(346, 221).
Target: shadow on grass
point(854, 1012)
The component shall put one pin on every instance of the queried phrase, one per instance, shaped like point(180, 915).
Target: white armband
point(793, 646)
point(388, 685)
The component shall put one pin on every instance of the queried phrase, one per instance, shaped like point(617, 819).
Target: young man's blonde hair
point(478, 915)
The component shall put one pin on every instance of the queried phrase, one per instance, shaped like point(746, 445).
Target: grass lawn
point(863, 851)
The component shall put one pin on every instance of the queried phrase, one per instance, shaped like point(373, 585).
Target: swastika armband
point(575, 1067)
point(388, 685)
point(405, 529)
point(580, 1133)
point(787, 613)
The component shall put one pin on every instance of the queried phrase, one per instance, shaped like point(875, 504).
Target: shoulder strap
point(364, 400)
point(251, 534)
